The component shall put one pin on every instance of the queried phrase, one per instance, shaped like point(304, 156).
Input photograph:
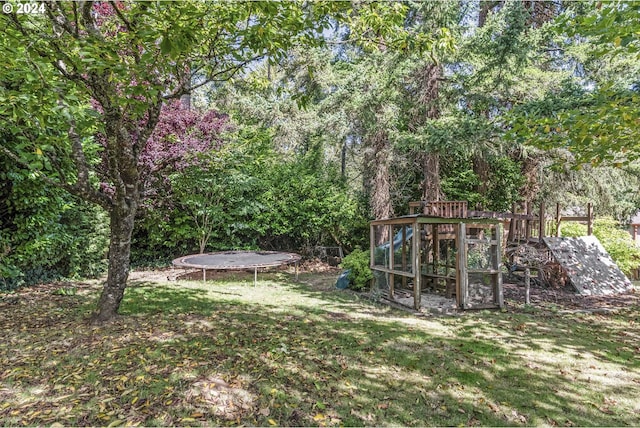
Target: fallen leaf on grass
point(319, 417)
point(265, 412)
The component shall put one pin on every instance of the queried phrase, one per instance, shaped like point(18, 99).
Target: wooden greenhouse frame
point(460, 256)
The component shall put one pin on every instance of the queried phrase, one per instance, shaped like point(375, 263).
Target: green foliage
point(501, 190)
point(593, 113)
point(360, 274)
point(46, 234)
point(613, 238)
point(247, 195)
point(66, 291)
point(506, 181)
point(612, 191)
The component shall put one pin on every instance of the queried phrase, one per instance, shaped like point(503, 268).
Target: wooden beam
point(391, 264)
point(417, 274)
point(462, 266)
point(404, 255)
point(512, 224)
point(590, 221)
point(499, 295)
point(541, 218)
point(395, 272)
point(574, 218)
point(527, 222)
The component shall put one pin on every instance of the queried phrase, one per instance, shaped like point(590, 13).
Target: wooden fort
point(444, 248)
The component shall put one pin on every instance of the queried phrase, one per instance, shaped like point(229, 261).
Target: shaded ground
point(565, 298)
point(289, 353)
point(322, 277)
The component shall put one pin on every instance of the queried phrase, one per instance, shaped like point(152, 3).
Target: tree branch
point(61, 20)
point(185, 89)
point(127, 24)
point(88, 20)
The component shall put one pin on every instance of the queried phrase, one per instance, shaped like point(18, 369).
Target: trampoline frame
point(291, 258)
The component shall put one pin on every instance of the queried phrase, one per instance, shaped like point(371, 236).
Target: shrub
point(358, 264)
point(45, 235)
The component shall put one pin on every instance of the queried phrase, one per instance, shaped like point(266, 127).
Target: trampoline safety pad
point(237, 260)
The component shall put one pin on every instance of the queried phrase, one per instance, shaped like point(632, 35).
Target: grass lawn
point(286, 353)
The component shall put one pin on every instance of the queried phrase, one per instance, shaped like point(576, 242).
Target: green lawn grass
point(300, 354)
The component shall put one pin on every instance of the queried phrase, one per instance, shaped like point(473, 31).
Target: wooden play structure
point(460, 257)
point(522, 224)
point(444, 248)
point(634, 228)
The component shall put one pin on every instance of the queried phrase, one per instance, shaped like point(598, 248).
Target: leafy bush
point(247, 195)
point(614, 239)
point(360, 273)
point(46, 235)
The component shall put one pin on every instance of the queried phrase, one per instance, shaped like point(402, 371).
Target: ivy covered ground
point(286, 353)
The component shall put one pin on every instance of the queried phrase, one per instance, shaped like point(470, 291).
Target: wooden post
point(391, 251)
point(372, 245)
point(436, 247)
point(512, 225)
point(527, 222)
point(527, 285)
point(462, 266)
point(589, 219)
point(498, 292)
point(558, 219)
point(456, 231)
point(372, 253)
point(404, 255)
point(541, 217)
point(417, 286)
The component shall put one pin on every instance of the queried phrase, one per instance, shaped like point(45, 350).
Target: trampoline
point(237, 260)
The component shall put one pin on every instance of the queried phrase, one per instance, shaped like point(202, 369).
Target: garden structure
point(451, 250)
point(458, 256)
point(634, 228)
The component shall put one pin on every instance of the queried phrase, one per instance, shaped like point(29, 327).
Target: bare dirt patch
point(565, 298)
point(154, 275)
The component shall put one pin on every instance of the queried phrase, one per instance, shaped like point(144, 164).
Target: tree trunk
point(481, 168)
point(123, 168)
point(376, 178)
point(531, 171)
point(428, 83)
point(122, 222)
point(431, 187)
point(381, 206)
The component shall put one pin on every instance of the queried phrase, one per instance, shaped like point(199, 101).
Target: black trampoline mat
point(236, 259)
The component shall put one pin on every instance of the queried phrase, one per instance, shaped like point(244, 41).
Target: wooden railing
point(523, 226)
point(446, 209)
